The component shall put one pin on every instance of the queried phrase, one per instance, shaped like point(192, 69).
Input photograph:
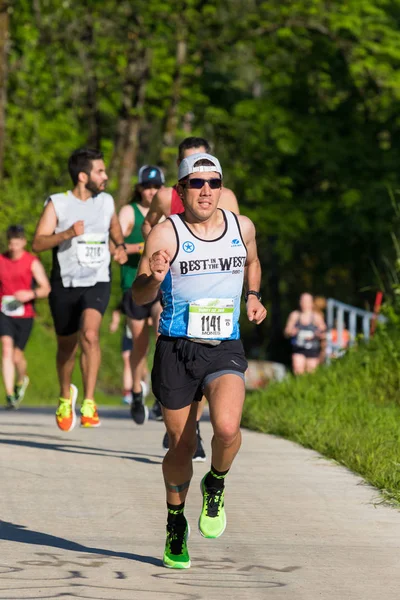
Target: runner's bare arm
point(45, 238)
point(256, 312)
point(119, 254)
point(43, 285)
point(290, 329)
point(159, 249)
point(115, 321)
point(127, 222)
point(115, 230)
point(320, 323)
point(160, 207)
point(228, 201)
point(253, 278)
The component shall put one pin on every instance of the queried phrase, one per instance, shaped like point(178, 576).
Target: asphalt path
point(83, 517)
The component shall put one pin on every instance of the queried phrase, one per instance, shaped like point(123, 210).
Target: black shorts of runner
point(126, 344)
point(312, 353)
point(17, 328)
point(135, 311)
point(68, 304)
point(183, 368)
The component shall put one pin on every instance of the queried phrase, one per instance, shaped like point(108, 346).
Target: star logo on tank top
point(188, 247)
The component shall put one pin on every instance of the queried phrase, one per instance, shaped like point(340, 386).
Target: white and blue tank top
point(203, 287)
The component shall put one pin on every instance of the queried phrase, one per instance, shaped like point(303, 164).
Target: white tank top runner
point(202, 290)
point(84, 260)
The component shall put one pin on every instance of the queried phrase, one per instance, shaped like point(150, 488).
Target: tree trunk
point(129, 160)
point(171, 121)
point(92, 114)
point(124, 160)
point(4, 41)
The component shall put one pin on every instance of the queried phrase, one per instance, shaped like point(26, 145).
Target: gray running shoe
point(199, 455)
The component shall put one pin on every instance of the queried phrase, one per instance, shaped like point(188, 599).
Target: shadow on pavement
point(88, 450)
point(19, 533)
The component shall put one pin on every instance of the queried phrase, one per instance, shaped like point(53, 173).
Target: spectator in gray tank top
point(306, 329)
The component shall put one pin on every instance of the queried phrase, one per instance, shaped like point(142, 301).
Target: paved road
point(83, 518)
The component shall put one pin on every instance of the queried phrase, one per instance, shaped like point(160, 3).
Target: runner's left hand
point(120, 255)
point(24, 295)
point(256, 312)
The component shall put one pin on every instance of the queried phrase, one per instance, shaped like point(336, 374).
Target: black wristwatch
point(121, 244)
point(252, 293)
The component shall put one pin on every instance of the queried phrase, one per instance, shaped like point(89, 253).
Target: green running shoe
point(20, 389)
point(11, 403)
point(212, 521)
point(176, 555)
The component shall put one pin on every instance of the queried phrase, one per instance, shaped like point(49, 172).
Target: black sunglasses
point(197, 183)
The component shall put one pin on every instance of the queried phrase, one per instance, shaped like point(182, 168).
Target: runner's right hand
point(159, 264)
point(77, 228)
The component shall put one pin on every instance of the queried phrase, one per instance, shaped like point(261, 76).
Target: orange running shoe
point(89, 416)
point(65, 414)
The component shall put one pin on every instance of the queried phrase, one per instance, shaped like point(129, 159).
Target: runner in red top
point(22, 280)
point(176, 203)
point(168, 202)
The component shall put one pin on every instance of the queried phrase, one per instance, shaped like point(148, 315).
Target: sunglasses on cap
point(196, 183)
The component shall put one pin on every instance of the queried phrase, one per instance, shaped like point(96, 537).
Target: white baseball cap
point(187, 165)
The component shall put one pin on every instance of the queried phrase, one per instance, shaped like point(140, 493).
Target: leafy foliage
point(300, 99)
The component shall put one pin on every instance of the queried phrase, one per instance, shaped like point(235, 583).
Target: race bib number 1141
point(211, 318)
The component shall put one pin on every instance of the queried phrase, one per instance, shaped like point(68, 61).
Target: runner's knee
point(66, 349)
point(182, 444)
point(18, 355)
point(7, 349)
point(90, 337)
point(226, 433)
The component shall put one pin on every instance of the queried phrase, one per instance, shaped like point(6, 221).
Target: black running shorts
point(68, 304)
point(307, 353)
point(183, 368)
point(126, 344)
point(135, 311)
point(17, 328)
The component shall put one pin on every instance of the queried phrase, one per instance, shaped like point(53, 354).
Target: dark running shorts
point(135, 311)
point(183, 368)
point(17, 328)
point(312, 353)
point(68, 304)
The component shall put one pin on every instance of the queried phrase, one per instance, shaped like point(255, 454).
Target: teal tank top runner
point(129, 269)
